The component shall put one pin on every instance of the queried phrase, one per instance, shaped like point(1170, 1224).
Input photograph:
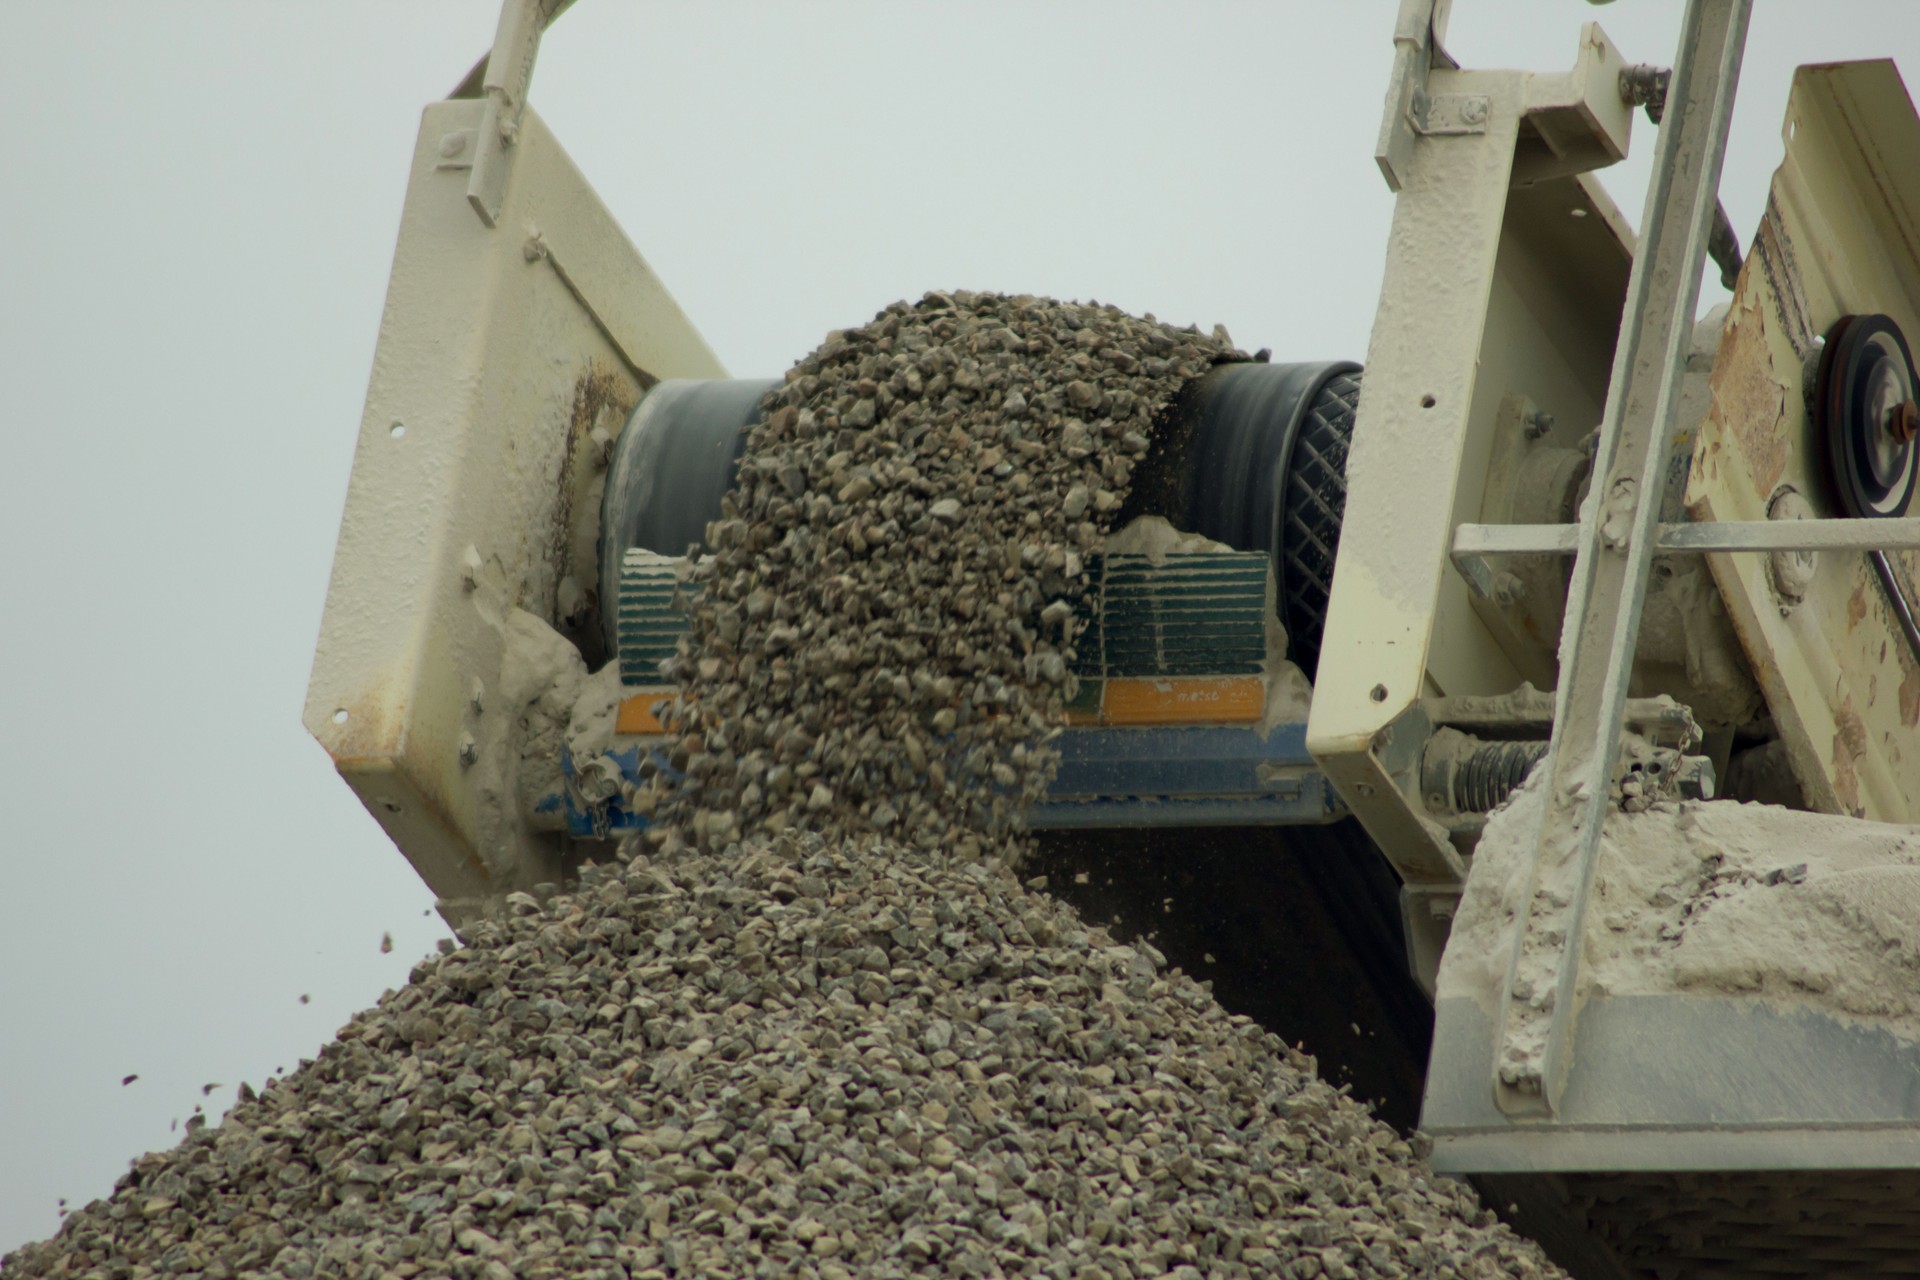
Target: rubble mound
point(815, 1024)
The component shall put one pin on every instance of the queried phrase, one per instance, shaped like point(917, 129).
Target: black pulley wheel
point(1255, 456)
point(1313, 500)
point(1865, 417)
point(670, 469)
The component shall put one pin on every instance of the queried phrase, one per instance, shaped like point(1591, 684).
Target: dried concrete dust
point(1717, 897)
point(817, 1026)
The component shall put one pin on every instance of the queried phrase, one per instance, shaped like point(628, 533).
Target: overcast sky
point(197, 211)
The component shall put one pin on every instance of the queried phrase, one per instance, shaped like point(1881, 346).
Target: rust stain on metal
point(1773, 250)
point(1841, 233)
point(599, 388)
point(1849, 744)
point(365, 729)
point(598, 392)
point(1901, 654)
point(1749, 401)
point(1910, 697)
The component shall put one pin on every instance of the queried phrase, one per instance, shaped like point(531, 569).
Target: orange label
point(1199, 700)
point(636, 714)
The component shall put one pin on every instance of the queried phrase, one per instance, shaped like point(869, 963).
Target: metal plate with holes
point(1494, 283)
point(1840, 236)
point(502, 350)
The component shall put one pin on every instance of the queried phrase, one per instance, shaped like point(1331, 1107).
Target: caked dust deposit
point(817, 1027)
point(1797, 910)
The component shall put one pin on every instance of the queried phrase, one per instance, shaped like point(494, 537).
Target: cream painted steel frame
point(502, 348)
point(1505, 273)
point(1841, 235)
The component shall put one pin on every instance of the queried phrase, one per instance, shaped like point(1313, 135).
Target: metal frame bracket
point(1443, 115)
point(516, 43)
point(1417, 34)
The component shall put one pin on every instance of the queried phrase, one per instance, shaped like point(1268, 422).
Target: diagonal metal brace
point(516, 42)
point(1616, 548)
point(1417, 49)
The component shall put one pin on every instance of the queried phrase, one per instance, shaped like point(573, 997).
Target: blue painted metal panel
point(610, 818)
point(1316, 803)
point(1177, 776)
point(1199, 775)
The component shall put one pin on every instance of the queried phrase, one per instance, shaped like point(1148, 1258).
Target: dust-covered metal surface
point(1503, 276)
point(1748, 1019)
point(508, 354)
point(1841, 236)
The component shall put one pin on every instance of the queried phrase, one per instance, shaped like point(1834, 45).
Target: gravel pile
point(819, 1027)
point(793, 1061)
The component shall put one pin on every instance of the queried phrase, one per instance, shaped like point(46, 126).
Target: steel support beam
point(1616, 548)
point(1714, 536)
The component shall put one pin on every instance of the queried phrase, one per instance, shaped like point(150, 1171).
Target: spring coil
point(1485, 778)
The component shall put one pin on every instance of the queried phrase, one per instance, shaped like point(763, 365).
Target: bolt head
point(1903, 421)
point(1791, 572)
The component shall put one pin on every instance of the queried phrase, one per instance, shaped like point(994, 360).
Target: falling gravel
point(816, 1025)
point(881, 639)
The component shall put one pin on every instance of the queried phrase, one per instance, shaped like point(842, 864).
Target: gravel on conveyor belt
point(818, 1026)
point(880, 639)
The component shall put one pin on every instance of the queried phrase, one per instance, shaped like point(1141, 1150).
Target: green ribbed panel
point(647, 627)
point(1190, 615)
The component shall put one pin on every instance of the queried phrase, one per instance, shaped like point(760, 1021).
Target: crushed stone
point(872, 649)
point(792, 1060)
point(817, 1026)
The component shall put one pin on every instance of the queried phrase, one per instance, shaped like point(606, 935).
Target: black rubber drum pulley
point(1256, 457)
point(670, 468)
point(1864, 416)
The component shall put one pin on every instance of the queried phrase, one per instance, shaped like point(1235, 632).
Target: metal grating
point(1202, 614)
point(1189, 615)
point(648, 626)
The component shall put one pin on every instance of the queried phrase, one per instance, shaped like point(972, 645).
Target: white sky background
point(197, 211)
